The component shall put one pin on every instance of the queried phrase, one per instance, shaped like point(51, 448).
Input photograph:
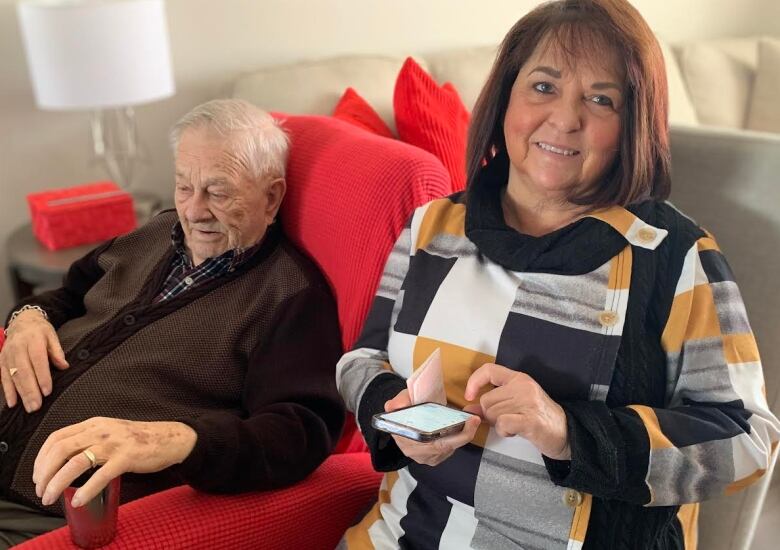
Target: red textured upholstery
point(433, 118)
point(311, 515)
point(354, 109)
point(349, 195)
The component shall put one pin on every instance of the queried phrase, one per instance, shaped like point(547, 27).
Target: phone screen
point(427, 417)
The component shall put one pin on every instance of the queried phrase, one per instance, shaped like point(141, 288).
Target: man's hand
point(118, 445)
point(31, 345)
point(519, 406)
point(434, 452)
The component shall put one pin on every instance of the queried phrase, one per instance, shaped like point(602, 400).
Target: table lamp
point(100, 55)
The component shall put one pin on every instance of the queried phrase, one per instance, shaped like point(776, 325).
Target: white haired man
point(199, 349)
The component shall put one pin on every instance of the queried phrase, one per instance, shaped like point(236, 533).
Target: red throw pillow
point(433, 118)
point(354, 109)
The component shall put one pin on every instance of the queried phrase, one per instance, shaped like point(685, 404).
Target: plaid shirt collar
point(183, 274)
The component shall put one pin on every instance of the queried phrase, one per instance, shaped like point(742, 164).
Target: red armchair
point(349, 195)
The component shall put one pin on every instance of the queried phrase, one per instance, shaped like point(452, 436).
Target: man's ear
point(274, 193)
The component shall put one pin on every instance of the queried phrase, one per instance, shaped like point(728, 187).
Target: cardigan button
point(129, 319)
point(3, 447)
point(572, 498)
point(608, 318)
point(646, 235)
point(82, 354)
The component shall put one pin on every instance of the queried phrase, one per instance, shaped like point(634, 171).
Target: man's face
point(219, 204)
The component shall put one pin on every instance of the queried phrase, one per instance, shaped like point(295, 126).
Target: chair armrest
point(312, 514)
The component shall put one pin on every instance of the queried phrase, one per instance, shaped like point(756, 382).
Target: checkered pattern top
point(183, 274)
point(439, 290)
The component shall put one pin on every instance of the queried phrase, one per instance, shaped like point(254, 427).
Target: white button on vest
point(188, 281)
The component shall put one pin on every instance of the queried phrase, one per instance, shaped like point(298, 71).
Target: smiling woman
point(608, 61)
point(562, 132)
point(597, 331)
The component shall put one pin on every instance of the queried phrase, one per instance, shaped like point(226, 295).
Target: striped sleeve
point(716, 434)
point(363, 375)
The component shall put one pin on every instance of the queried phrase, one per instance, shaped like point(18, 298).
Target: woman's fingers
point(488, 374)
point(475, 408)
point(464, 436)
point(399, 401)
point(437, 451)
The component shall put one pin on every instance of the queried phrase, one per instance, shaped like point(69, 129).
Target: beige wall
point(214, 40)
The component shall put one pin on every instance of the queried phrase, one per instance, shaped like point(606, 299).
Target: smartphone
point(423, 422)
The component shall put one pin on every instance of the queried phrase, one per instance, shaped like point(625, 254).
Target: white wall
point(214, 40)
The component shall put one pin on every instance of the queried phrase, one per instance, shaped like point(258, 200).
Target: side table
point(32, 266)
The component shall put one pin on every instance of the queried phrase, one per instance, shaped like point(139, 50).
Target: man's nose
point(197, 208)
point(566, 115)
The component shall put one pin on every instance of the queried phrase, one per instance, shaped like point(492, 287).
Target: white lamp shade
point(93, 54)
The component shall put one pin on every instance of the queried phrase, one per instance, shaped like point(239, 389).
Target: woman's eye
point(543, 87)
point(601, 100)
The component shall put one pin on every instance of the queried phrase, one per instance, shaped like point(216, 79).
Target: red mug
point(92, 524)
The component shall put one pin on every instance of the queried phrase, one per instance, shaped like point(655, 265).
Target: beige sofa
point(732, 84)
point(724, 176)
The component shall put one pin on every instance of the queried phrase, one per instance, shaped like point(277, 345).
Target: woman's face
point(562, 124)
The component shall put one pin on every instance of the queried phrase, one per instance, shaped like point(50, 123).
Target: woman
point(596, 331)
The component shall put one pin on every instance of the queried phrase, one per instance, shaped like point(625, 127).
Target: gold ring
point(91, 456)
point(13, 372)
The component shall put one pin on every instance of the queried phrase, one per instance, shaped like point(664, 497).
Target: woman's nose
point(565, 115)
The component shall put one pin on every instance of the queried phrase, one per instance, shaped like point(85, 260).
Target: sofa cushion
point(764, 106)
point(681, 110)
point(467, 70)
point(314, 87)
point(433, 118)
point(354, 109)
point(719, 76)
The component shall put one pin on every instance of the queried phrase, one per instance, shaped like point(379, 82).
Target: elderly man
point(198, 349)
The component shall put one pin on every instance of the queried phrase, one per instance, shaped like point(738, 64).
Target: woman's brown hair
point(582, 29)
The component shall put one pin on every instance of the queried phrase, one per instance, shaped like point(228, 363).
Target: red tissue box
point(83, 214)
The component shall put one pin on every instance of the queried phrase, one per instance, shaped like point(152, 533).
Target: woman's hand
point(31, 347)
point(117, 446)
point(433, 452)
point(519, 406)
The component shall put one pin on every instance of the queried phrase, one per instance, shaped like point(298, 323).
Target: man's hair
point(258, 138)
point(588, 31)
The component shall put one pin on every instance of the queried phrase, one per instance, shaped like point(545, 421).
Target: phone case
point(412, 433)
